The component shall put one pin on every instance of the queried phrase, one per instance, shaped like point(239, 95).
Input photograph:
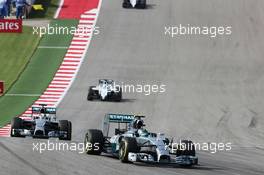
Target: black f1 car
point(43, 124)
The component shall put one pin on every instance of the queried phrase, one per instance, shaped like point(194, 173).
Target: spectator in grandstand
point(20, 7)
point(8, 7)
point(2, 8)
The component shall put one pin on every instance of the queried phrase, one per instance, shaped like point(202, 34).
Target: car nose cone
point(133, 2)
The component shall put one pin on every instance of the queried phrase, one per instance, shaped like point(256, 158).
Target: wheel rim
point(121, 152)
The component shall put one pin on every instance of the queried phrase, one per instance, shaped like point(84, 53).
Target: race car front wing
point(183, 160)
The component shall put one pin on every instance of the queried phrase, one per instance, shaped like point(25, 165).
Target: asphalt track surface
point(214, 89)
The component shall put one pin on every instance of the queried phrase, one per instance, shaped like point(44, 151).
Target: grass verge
point(16, 51)
point(37, 75)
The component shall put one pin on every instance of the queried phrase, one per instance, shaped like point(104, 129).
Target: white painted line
point(47, 103)
point(79, 42)
point(52, 47)
point(66, 72)
point(24, 95)
point(96, 10)
point(69, 64)
point(63, 75)
point(54, 93)
point(61, 81)
point(27, 115)
point(59, 9)
point(57, 86)
point(86, 34)
point(48, 96)
point(77, 47)
point(55, 89)
point(89, 12)
point(83, 28)
point(57, 79)
point(88, 16)
point(80, 38)
point(74, 54)
point(86, 21)
point(76, 51)
point(68, 67)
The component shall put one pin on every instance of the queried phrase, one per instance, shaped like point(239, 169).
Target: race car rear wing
point(119, 118)
point(44, 110)
point(116, 118)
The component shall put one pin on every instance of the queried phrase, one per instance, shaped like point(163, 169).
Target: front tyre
point(127, 145)
point(65, 126)
point(94, 141)
point(90, 93)
point(16, 123)
point(189, 148)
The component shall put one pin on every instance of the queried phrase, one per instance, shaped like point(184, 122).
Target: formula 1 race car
point(133, 143)
point(106, 90)
point(134, 4)
point(43, 124)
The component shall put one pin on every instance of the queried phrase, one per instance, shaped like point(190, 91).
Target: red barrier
point(2, 89)
point(10, 25)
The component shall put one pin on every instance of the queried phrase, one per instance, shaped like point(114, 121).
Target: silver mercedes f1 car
point(133, 143)
point(43, 124)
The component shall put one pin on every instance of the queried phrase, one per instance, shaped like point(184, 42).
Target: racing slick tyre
point(189, 148)
point(127, 4)
point(119, 95)
point(127, 145)
point(141, 4)
point(90, 93)
point(94, 141)
point(65, 125)
point(69, 135)
point(16, 123)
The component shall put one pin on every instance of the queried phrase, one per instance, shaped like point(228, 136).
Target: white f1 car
point(133, 143)
point(134, 4)
point(106, 90)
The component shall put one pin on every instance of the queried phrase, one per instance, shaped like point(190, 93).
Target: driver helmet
point(137, 124)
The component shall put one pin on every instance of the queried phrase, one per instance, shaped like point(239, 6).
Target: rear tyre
point(90, 93)
point(65, 125)
point(119, 95)
point(16, 123)
point(126, 4)
point(94, 141)
point(127, 145)
point(142, 4)
point(69, 135)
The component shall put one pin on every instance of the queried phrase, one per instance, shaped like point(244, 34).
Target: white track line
point(23, 95)
point(59, 9)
